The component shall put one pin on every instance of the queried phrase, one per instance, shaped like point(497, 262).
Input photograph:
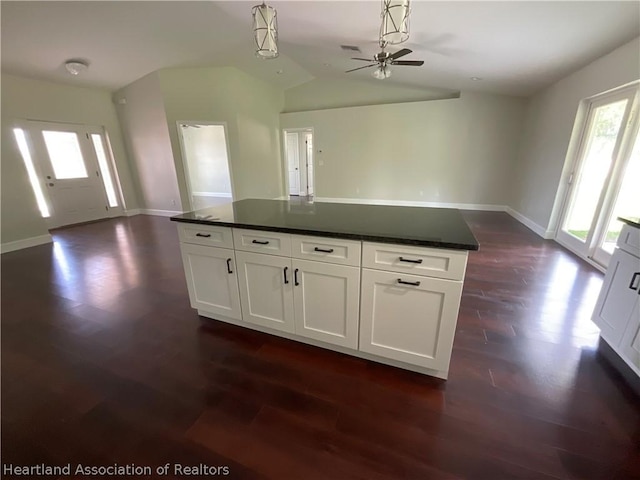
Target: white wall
point(325, 93)
point(145, 129)
point(545, 158)
point(24, 98)
point(205, 148)
point(447, 151)
point(250, 109)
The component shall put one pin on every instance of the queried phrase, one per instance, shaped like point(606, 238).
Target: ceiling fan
point(383, 60)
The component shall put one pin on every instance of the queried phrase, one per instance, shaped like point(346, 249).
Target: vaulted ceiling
point(516, 48)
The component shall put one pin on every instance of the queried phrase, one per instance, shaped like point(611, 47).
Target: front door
point(67, 159)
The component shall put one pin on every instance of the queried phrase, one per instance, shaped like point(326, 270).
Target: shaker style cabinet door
point(630, 344)
point(409, 318)
point(618, 296)
point(212, 280)
point(266, 290)
point(326, 302)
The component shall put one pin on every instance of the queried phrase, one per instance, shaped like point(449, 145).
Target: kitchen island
point(375, 281)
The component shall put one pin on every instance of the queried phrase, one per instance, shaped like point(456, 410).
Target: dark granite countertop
point(631, 221)
point(421, 226)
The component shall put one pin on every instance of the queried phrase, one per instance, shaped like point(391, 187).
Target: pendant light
point(395, 21)
point(265, 31)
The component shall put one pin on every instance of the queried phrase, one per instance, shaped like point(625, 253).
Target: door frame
point(40, 157)
point(185, 164)
point(606, 202)
point(285, 161)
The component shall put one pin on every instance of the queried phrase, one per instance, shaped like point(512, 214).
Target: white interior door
point(293, 162)
point(67, 160)
point(308, 143)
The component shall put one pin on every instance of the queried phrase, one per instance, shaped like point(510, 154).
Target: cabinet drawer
point(205, 235)
point(272, 243)
point(431, 262)
point(323, 249)
point(629, 240)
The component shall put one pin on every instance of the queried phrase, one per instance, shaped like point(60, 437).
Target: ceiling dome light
point(395, 21)
point(265, 31)
point(382, 72)
point(76, 67)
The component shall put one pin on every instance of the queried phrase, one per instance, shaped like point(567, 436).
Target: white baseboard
point(211, 194)
point(25, 243)
point(159, 213)
point(132, 212)
point(527, 222)
point(411, 203)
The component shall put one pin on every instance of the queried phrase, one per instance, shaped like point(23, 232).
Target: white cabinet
point(618, 296)
point(409, 318)
point(326, 298)
point(630, 343)
point(211, 279)
point(266, 290)
point(401, 309)
point(617, 311)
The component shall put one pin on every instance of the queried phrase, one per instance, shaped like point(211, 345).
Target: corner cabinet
point(617, 311)
point(389, 303)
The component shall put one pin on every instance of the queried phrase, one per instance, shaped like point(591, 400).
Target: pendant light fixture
point(395, 21)
point(265, 31)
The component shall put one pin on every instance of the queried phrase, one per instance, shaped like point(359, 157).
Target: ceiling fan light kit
point(265, 31)
point(395, 21)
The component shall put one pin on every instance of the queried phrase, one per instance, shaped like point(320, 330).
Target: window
point(33, 178)
point(104, 169)
point(65, 154)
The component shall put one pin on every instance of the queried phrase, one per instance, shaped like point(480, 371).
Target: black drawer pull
point(415, 284)
point(633, 280)
point(259, 242)
point(323, 250)
point(286, 280)
point(229, 266)
point(295, 277)
point(205, 235)
point(408, 260)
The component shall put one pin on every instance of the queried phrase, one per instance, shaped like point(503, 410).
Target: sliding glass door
point(601, 186)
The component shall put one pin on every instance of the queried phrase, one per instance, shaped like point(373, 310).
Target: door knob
point(48, 177)
point(51, 184)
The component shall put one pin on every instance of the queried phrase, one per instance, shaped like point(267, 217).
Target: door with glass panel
point(75, 171)
point(601, 184)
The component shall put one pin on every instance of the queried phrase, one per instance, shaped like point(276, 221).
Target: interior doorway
point(603, 183)
point(205, 156)
point(71, 171)
point(299, 161)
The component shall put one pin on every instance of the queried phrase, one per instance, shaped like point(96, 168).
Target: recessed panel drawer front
point(329, 250)
point(205, 235)
point(431, 262)
point(271, 243)
point(629, 240)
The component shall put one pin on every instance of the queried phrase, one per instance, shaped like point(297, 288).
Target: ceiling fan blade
point(415, 63)
point(360, 68)
point(364, 59)
point(400, 53)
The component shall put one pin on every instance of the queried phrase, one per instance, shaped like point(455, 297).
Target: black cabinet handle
point(229, 266)
point(266, 242)
point(286, 280)
point(408, 260)
point(415, 284)
point(205, 235)
point(633, 280)
point(295, 277)
point(323, 250)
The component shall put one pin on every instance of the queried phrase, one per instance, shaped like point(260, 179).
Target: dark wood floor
point(103, 361)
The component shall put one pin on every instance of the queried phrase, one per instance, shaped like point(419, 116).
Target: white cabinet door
point(266, 290)
point(212, 280)
point(618, 296)
point(630, 344)
point(409, 318)
point(326, 302)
